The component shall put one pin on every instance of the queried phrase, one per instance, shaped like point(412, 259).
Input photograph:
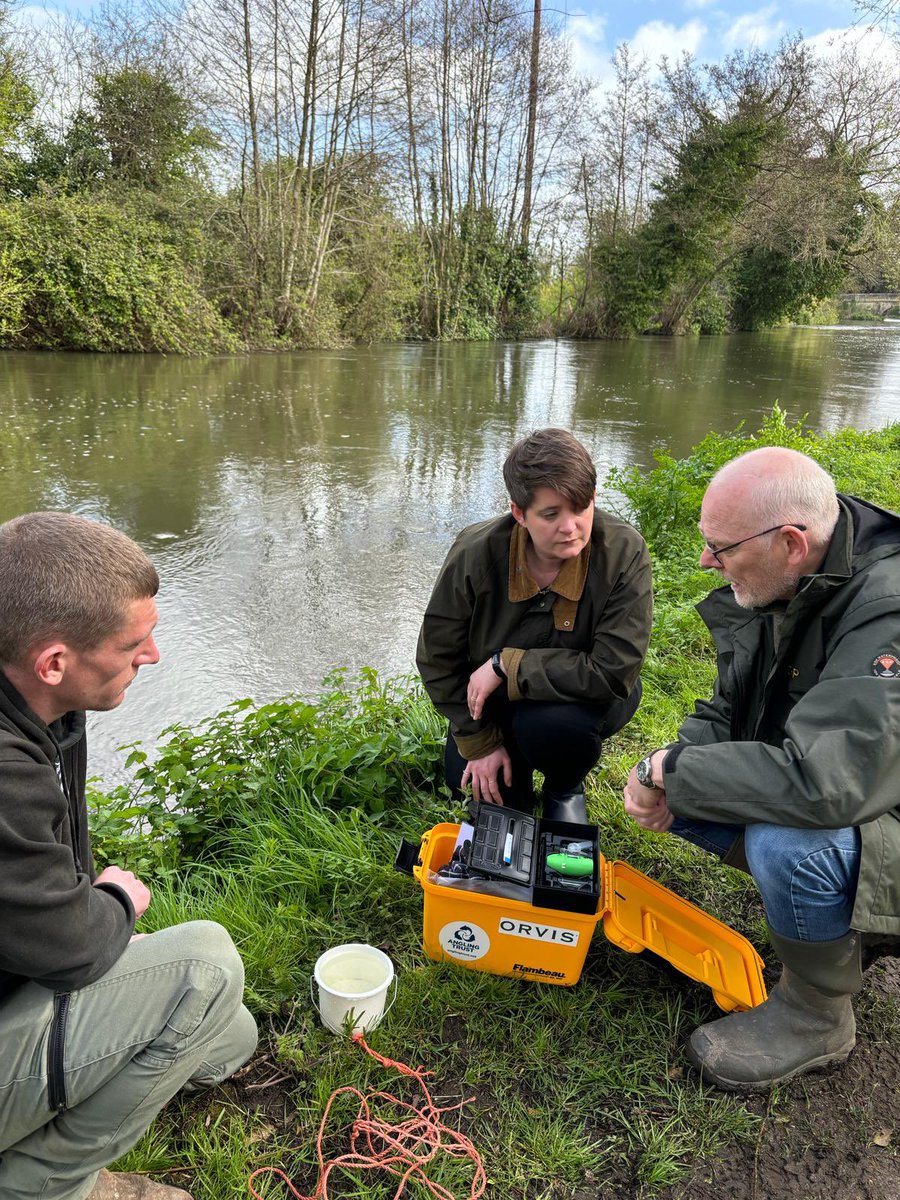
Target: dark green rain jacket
point(593, 658)
point(808, 734)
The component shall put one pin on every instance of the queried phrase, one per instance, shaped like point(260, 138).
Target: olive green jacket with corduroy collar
point(581, 640)
point(807, 734)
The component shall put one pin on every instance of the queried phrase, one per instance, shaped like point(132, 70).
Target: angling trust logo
point(886, 665)
point(538, 932)
point(464, 940)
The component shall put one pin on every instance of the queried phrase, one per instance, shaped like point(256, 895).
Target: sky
point(707, 29)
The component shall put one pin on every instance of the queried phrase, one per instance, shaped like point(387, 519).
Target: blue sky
point(709, 29)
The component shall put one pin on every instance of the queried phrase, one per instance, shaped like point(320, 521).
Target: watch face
point(644, 773)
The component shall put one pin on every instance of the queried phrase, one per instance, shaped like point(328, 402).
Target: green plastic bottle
point(574, 866)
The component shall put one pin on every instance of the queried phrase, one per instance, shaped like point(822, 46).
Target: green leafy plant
point(367, 744)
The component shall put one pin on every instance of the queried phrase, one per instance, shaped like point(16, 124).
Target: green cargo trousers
point(169, 1013)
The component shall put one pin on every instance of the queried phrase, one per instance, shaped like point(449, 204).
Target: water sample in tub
point(352, 983)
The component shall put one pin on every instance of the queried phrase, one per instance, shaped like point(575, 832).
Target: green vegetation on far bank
point(206, 177)
point(281, 822)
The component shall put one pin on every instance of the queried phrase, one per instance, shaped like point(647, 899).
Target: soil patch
point(835, 1134)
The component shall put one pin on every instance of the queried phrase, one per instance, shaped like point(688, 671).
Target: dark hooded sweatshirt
point(56, 928)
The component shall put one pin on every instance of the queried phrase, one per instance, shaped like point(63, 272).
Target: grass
point(282, 824)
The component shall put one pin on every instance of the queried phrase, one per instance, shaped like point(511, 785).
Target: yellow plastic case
point(512, 937)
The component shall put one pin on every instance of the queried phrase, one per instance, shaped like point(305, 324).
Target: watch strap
point(645, 771)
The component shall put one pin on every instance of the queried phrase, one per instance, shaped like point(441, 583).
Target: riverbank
point(281, 822)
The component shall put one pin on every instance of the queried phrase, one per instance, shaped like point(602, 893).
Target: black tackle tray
point(502, 833)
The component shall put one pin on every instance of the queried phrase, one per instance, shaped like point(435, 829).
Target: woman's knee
point(551, 731)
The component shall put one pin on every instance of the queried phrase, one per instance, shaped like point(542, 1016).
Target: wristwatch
point(497, 664)
point(644, 772)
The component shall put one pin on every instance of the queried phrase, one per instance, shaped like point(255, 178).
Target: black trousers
point(562, 741)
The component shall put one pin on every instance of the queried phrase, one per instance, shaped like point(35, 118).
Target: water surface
point(299, 505)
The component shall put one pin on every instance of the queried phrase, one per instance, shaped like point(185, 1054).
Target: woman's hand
point(481, 683)
point(484, 774)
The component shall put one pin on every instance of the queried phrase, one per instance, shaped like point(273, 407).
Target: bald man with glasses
point(791, 770)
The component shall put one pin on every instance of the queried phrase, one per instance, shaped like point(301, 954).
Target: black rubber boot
point(565, 806)
point(807, 1021)
point(735, 856)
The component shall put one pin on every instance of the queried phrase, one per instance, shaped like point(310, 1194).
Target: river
point(298, 505)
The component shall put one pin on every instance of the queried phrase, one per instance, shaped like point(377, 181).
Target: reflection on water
point(298, 505)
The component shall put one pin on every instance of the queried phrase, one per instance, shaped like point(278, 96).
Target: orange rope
point(402, 1149)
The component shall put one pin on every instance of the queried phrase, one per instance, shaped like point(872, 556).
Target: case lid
point(639, 914)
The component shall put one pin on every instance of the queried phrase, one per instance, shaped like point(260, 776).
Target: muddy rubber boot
point(807, 1021)
point(565, 806)
point(113, 1185)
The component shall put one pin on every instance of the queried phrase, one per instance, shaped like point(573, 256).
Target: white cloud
point(592, 55)
point(760, 28)
point(659, 38)
point(870, 43)
point(587, 35)
point(694, 5)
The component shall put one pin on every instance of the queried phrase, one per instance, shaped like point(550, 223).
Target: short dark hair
point(63, 576)
point(550, 458)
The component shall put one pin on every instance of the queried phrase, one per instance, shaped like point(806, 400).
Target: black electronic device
point(555, 885)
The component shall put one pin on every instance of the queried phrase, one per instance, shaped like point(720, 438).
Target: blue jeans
point(807, 877)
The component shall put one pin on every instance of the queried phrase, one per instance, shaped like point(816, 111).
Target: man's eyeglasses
point(717, 554)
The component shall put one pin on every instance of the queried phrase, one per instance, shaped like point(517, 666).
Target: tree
point(75, 162)
point(655, 275)
point(148, 128)
point(17, 101)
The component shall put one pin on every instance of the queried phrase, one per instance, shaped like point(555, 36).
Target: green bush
point(825, 312)
point(771, 287)
point(710, 311)
point(88, 273)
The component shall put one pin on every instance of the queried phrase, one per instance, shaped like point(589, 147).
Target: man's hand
point(484, 773)
point(137, 892)
point(481, 683)
point(646, 805)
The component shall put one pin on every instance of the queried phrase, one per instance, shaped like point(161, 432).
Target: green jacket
point(808, 734)
point(583, 640)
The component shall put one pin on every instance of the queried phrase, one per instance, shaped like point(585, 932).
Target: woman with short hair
point(534, 636)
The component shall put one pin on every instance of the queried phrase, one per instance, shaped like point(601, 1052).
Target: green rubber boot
point(807, 1021)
